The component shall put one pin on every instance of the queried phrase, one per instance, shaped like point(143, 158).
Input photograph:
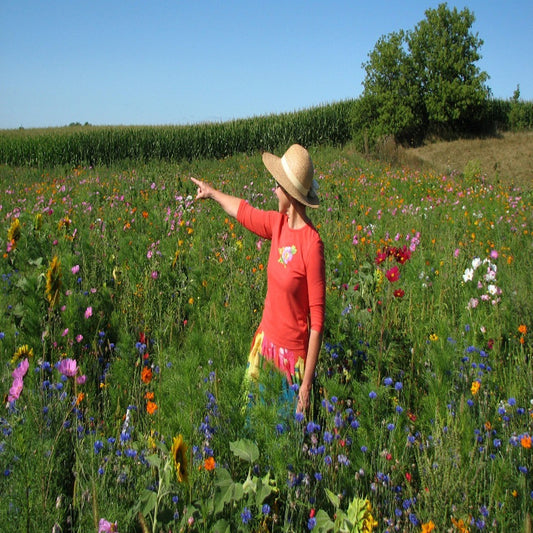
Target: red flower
point(393, 274)
point(380, 257)
point(402, 255)
point(399, 293)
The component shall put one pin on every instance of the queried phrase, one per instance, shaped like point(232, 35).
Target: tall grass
point(422, 415)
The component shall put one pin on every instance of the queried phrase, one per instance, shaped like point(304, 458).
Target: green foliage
point(425, 81)
point(423, 388)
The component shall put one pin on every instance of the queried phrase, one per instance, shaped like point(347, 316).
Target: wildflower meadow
point(127, 310)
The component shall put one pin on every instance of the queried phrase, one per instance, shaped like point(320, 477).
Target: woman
point(289, 336)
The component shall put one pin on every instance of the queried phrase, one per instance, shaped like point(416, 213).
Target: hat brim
point(273, 164)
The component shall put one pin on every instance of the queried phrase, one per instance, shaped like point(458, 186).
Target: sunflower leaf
point(245, 449)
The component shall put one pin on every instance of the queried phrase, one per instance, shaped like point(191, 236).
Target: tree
point(425, 81)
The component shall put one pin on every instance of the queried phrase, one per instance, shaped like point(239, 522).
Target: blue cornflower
point(311, 523)
point(246, 515)
point(98, 445)
point(387, 382)
point(265, 509)
point(372, 395)
point(398, 385)
point(390, 427)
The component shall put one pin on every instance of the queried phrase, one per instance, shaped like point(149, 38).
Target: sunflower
point(22, 352)
point(14, 233)
point(53, 282)
point(179, 455)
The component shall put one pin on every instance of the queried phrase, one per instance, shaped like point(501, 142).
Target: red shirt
point(296, 286)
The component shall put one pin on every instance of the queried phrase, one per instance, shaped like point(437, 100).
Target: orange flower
point(475, 387)
point(149, 395)
point(460, 525)
point(146, 375)
point(209, 463)
point(522, 328)
point(525, 441)
point(145, 214)
point(429, 527)
point(151, 407)
point(80, 398)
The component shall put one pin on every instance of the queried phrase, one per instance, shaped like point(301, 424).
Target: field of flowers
point(127, 311)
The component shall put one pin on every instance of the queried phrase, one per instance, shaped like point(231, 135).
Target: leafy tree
point(425, 81)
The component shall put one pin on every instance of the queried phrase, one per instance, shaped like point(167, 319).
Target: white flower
point(492, 289)
point(468, 275)
point(476, 262)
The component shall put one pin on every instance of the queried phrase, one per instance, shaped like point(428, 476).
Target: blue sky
point(155, 62)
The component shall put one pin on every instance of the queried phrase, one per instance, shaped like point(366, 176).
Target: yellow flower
point(433, 337)
point(476, 385)
point(53, 281)
point(179, 455)
point(14, 233)
point(22, 352)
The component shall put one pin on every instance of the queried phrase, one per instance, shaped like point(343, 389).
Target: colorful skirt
point(273, 376)
point(265, 354)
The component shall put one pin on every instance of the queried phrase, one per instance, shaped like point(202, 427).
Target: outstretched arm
point(229, 203)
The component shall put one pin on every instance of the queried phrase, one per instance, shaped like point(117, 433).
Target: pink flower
point(21, 369)
point(79, 338)
point(68, 367)
point(65, 332)
point(80, 380)
point(88, 312)
point(75, 269)
point(15, 390)
point(104, 526)
point(155, 274)
point(494, 254)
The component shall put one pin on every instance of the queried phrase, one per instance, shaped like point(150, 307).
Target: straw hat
point(294, 172)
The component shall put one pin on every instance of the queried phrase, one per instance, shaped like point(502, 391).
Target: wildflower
point(210, 464)
point(522, 328)
point(393, 274)
point(433, 337)
point(13, 234)
point(246, 515)
point(105, 526)
point(179, 455)
point(75, 269)
point(475, 387)
point(151, 407)
point(468, 275)
point(53, 282)
point(525, 441)
point(68, 367)
point(88, 312)
point(265, 509)
point(146, 375)
point(399, 293)
point(428, 527)
point(460, 525)
point(22, 351)
point(15, 390)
